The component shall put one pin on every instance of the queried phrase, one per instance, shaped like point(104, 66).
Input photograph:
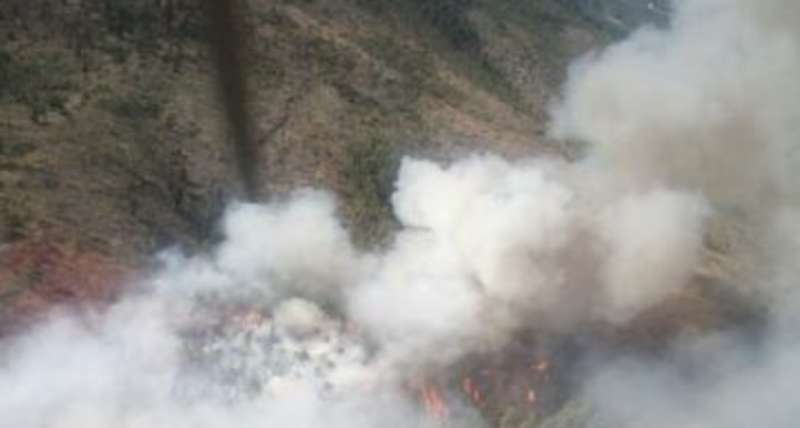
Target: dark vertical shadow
point(227, 43)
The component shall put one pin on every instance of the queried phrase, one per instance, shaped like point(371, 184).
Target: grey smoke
point(708, 105)
point(287, 324)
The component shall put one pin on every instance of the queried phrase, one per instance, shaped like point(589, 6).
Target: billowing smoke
point(709, 105)
point(286, 323)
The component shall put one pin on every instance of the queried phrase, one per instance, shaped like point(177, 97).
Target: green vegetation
point(135, 104)
point(7, 73)
point(513, 418)
point(143, 99)
point(450, 18)
point(574, 414)
point(41, 82)
point(146, 22)
point(369, 172)
point(132, 18)
point(146, 27)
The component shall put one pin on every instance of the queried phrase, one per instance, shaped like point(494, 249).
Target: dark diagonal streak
point(227, 39)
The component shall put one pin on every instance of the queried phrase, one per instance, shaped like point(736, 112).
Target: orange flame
point(434, 403)
point(541, 366)
point(471, 390)
point(531, 396)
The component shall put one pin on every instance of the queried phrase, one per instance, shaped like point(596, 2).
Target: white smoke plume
point(287, 324)
point(708, 105)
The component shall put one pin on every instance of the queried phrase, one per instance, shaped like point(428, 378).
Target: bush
point(6, 73)
point(450, 18)
point(369, 173)
point(41, 82)
point(144, 20)
point(143, 100)
point(134, 105)
point(574, 414)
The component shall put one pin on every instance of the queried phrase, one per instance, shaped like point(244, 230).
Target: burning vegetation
point(46, 272)
point(528, 293)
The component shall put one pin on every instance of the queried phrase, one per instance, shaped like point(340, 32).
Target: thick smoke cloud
point(708, 105)
point(286, 323)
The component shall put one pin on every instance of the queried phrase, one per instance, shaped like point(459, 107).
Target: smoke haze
point(286, 323)
point(709, 105)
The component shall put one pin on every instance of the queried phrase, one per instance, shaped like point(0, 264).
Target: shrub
point(6, 73)
point(40, 82)
point(369, 172)
point(450, 18)
point(134, 105)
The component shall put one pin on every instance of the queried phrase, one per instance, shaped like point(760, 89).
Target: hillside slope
point(112, 138)
point(113, 143)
